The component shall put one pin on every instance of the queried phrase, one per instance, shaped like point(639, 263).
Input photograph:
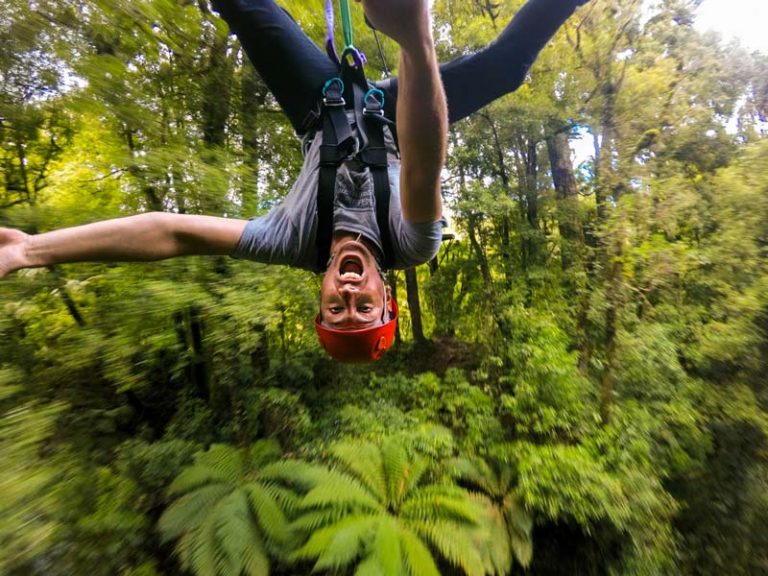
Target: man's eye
point(336, 309)
point(365, 309)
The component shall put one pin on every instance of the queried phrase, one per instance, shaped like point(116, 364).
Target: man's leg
point(291, 65)
point(476, 80)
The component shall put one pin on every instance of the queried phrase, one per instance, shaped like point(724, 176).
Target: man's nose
point(348, 289)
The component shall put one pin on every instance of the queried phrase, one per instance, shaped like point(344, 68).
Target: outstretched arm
point(422, 115)
point(141, 238)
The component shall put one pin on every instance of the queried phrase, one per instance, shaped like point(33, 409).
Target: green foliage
point(380, 509)
point(544, 393)
point(510, 525)
point(594, 388)
point(26, 478)
point(225, 518)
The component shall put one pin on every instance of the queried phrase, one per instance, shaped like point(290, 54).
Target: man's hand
point(11, 250)
point(407, 22)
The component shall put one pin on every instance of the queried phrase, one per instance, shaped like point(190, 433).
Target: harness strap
point(339, 144)
point(375, 156)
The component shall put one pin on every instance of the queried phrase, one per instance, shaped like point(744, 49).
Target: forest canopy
point(578, 384)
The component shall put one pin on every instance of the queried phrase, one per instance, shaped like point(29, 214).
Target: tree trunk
point(252, 97)
point(505, 228)
point(569, 223)
point(414, 305)
point(572, 240)
point(216, 95)
point(478, 249)
point(189, 333)
point(530, 190)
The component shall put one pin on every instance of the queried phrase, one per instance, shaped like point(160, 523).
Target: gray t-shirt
point(286, 235)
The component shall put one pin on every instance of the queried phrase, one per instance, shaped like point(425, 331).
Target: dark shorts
point(295, 69)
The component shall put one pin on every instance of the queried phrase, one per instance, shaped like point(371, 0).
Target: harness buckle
point(333, 91)
point(373, 103)
point(333, 102)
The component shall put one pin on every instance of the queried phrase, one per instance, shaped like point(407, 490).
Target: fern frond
point(364, 462)
point(194, 477)
point(223, 459)
point(340, 490)
point(386, 547)
point(311, 520)
point(370, 567)
point(417, 558)
point(474, 471)
point(435, 502)
point(190, 511)
point(453, 541)
point(267, 511)
point(419, 467)
point(397, 469)
point(184, 548)
point(255, 561)
point(350, 539)
point(286, 498)
point(517, 517)
point(234, 530)
point(297, 474)
point(523, 550)
point(204, 561)
point(338, 544)
point(506, 475)
point(491, 537)
point(519, 525)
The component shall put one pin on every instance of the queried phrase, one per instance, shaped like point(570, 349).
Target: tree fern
point(378, 510)
point(494, 480)
point(227, 515)
point(364, 462)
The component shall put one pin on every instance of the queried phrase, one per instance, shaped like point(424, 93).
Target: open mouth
point(351, 268)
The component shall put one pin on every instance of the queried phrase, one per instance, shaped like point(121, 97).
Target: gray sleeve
point(287, 234)
point(418, 243)
point(283, 236)
point(413, 244)
point(270, 239)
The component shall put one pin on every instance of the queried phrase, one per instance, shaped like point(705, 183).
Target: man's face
point(353, 293)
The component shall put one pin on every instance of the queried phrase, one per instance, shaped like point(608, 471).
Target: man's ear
point(388, 297)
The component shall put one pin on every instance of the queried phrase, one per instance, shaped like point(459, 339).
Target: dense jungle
point(578, 384)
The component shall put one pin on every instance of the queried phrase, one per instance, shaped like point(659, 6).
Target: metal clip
point(334, 101)
point(376, 98)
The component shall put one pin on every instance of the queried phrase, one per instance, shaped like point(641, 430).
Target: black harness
point(340, 144)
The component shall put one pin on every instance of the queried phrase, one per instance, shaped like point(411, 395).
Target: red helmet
point(358, 346)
